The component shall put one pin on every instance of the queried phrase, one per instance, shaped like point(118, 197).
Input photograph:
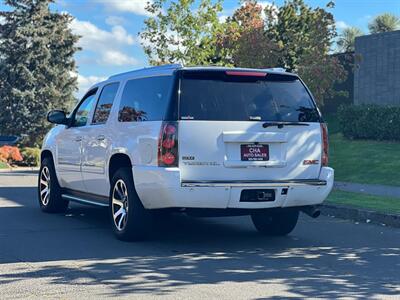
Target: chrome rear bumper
point(252, 183)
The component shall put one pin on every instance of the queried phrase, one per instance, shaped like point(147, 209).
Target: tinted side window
point(82, 113)
point(145, 99)
point(105, 103)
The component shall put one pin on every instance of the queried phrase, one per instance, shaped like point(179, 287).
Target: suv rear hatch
point(246, 126)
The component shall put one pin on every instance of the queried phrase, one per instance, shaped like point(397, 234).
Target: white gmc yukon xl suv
point(206, 141)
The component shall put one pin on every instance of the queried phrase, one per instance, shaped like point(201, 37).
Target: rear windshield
point(220, 97)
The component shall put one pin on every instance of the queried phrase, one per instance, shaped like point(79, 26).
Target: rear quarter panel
point(139, 140)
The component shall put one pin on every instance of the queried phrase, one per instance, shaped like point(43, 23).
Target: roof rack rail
point(275, 69)
point(153, 68)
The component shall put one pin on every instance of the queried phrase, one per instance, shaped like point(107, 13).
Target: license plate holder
point(258, 195)
point(254, 152)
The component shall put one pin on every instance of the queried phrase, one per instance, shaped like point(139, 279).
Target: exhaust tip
point(316, 213)
point(311, 211)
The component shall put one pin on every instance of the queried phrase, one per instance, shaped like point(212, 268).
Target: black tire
point(160, 216)
point(132, 221)
point(50, 199)
point(275, 222)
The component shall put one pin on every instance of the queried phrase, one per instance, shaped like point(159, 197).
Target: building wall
point(377, 69)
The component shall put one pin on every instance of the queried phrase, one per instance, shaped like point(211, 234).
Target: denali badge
point(187, 157)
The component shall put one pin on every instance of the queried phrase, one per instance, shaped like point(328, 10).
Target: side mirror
point(57, 117)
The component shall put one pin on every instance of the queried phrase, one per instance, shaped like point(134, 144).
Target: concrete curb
point(20, 170)
point(360, 215)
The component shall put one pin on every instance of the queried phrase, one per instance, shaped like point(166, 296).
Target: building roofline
point(378, 34)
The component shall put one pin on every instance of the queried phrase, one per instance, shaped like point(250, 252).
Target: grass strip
point(370, 202)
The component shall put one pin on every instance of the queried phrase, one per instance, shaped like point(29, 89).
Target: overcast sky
point(109, 30)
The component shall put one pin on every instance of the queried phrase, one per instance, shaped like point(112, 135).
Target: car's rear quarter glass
point(145, 99)
point(221, 97)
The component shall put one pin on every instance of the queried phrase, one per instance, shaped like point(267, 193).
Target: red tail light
point(168, 145)
point(325, 145)
point(246, 73)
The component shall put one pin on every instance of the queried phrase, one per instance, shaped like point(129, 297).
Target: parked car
point(200, 140)
point(9, 140)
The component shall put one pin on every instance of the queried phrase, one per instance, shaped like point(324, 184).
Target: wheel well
point(118, 161)
point(46, 153)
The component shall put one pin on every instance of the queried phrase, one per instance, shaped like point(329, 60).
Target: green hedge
point(31, 156)
point(370, 122)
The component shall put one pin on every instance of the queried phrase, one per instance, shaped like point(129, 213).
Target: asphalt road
point(75, 256)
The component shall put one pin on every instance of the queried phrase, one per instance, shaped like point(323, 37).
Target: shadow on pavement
point(321, 258)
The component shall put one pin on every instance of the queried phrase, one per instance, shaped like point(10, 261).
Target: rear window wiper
point(281, 124)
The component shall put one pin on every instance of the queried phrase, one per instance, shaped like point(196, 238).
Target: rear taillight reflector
point(170, 129)
point(168, 145)
point(244, 73)
point(168, 159)
point(325, 145)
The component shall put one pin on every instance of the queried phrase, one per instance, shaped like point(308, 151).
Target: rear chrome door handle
point(78, 139)
point(101, 137)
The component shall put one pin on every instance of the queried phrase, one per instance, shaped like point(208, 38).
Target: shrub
point(370, 122)
point(10, 154)
point(31, 156)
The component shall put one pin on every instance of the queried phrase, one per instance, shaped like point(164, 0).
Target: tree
point(178, 33)
point(304, 37)
point(384, 23)
point(36, 50)
point(245, 40)
point(347, 38)
point(294, 36)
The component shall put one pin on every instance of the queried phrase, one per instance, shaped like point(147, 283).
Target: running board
point(83, 201)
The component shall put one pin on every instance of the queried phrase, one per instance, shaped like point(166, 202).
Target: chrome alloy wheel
point(120, 204)
point(45, 186)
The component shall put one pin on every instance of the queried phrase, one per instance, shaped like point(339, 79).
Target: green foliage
point(304, 36)
point(31, 156)
point(332, 122)
point(299, 31)
point(384, 23)
point(245, 41)
point(178, 32)
point(370, 122)
point(344, 92)
point(294, 36)
point(36, 51)
point(347, 38)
